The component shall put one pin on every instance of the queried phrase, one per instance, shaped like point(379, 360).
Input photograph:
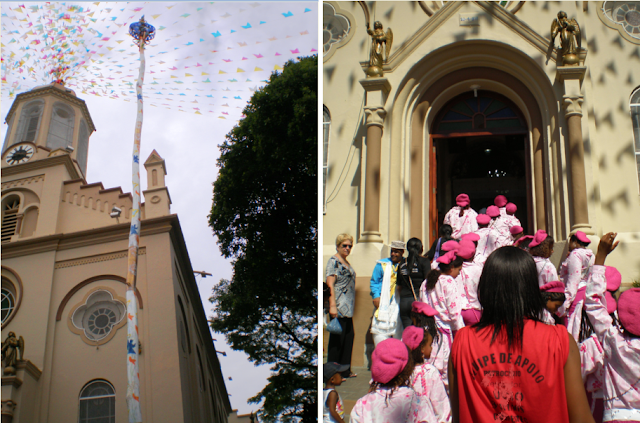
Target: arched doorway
point(479, 146)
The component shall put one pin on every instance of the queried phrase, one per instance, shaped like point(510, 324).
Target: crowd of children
point(410, 377)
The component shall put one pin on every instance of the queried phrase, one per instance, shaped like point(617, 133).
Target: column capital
point(566, 73)
point(572, 105)
point(375, 116)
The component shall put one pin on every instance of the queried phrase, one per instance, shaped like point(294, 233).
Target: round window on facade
point(8, 302)
point(98, 317)
point(11, 295)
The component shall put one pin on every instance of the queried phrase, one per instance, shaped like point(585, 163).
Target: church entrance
point(479, 146)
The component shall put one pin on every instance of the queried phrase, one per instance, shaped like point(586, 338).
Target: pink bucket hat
point(463, 200)
point(423, 308)
point(493, 211)
point(629, 310)
point(555, 286)
point(483, 219)
point(613, 278)
point(540, 236)
point(450, 246)
point(412, 336)
point(611, 302)
point(511, 208)
point(582, 237)
point(447, 258)
point(467, 249)
point(500, 201)
point(389, 358)
point(471, 236)
point(515, 230)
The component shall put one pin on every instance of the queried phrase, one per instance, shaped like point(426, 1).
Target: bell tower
point(45, 122)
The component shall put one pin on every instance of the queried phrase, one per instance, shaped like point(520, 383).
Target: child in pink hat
point(426, 380)
point(461, 217)
point(574, 272)
point(483, 232)
point(621, 344)
point(468, 280)
point(390, 398)
point(500, 202)
point(516, 233)
point(422, 315)
point(554, 297)
point(440, 290)
point(510, 217)
point(541, 248)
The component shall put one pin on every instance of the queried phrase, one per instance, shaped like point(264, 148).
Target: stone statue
point(10, 348)
point(569, 31)
point(380, 48)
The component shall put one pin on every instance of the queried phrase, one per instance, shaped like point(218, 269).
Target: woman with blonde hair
point(341, 279)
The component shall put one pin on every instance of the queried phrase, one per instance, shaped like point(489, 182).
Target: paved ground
point(354, 388)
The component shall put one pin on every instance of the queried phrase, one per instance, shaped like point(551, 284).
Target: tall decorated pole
point(143, 33)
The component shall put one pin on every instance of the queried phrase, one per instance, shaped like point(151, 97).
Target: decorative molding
point(96, 259)
point(20, 182)
point(572, 105)
point(566, 73)
point(64, 159)
point(375, 116)
point(30, 368)
point(14, 381)
point(7, 407)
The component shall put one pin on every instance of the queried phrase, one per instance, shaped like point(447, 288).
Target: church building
point(64, 263)
point(424, 100)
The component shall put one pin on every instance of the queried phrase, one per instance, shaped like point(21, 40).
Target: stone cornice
point(31, 368)
point(502, 15)
point(64, 159)
point(61, 93)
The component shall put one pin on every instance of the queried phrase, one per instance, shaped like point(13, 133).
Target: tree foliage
point(264, 214)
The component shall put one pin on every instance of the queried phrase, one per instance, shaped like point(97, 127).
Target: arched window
point(97, 403)
point(634, 104)
point(29, 122)
point(10, 207)
point(83, 146)
point(61, 127)
point(326, 125)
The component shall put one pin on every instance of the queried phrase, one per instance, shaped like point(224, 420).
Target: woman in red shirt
point(510, 366)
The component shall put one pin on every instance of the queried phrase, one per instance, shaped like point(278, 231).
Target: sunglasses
point(347, 246)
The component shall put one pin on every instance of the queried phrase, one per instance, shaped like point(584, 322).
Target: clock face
point(20, 154)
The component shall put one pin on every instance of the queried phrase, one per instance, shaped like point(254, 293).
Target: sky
point(202, 67)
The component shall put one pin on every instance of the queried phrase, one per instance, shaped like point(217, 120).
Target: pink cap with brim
point(523, 239)
point(629, 310)
point(467, 249)
point(515, 230)
point(447, 258)
point(412, 336)
point(613, 278)
point(463, 200)
point(555, 286)
point(511, 208)
point(611, 302)
point(582, 237)
point(540, 236)
point(483, 219)
point(500, 201)
point(423, 308)
point(450, 246)
point(471, 236)
point(493, 211)
point(389, 358)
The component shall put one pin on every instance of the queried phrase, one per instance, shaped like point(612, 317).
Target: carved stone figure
point(569, 32)
point(10, 348)
point(380, 48)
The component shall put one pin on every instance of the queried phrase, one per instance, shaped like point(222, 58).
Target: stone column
point(376, 90)
point(572, 100)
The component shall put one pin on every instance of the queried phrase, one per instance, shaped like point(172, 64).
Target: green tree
point(264, 214)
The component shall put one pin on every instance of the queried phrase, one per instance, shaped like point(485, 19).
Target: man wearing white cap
point(386, 322)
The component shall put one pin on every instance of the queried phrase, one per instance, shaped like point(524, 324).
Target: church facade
point(484, 98)
point(64, 264)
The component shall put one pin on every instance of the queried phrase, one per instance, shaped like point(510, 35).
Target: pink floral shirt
point(621, 354)
point(428, 386)
point(461, 225)
point(447, 300)
point(574, 272)
point(511, 221)
point(546, 270)
point(592, 364)
point(440, 358)
point(468, 280)
point(483, 233)
point(382, 407)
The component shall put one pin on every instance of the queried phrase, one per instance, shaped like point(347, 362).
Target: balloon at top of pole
point(142, 32)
